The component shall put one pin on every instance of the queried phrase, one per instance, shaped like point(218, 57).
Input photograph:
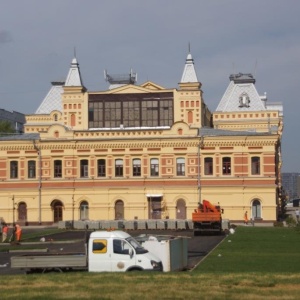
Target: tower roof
point(189, 73)
point(74, 76)
point(241, 95)
point(52, 101)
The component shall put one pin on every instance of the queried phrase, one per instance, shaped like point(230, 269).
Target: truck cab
point(117, 251)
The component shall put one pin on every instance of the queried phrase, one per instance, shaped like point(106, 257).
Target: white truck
point(107, 251)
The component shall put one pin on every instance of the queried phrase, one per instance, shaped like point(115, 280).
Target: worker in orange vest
point(18, 232)
point(4, 232)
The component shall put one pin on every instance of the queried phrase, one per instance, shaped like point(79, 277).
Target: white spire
point(189, 73)
point(74, 77)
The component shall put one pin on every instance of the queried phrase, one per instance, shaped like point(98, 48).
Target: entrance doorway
point(57, 207)
point(22, 213)
point(119, 210)
point(256, 209)
point(181, 210)
point(154, 208)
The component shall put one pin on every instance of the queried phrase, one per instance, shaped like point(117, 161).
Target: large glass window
point(255, 165)
point(84, 168)
point(226, 165)
point(208, 166)
point(180, 166)
point(13, 169)
point(101, 168)
point(136, 167)
point(130, 110)
point(31, 169)
point(119, 167)
point(57, 168)
point(154, 167)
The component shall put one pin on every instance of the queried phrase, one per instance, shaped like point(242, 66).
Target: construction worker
point(18, 232)
point(4, 232)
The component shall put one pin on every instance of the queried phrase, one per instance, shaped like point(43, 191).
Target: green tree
point(6, 128)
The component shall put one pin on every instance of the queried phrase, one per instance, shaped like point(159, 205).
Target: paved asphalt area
point(73, 242)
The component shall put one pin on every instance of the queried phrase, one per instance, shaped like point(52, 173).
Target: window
point(208, 166)
point(101, 168)
point(136, 167)
point(99, 246)
point(13, 169)
point(134, 110)
point(180, 166)
point(154, 167)
point(226, 165)
point(57, 168)
point(84, 210)
point(119, 167)
point(244, 100)
point(84, 168)
point(120, 247)
point(31, 169)
point(255, 165)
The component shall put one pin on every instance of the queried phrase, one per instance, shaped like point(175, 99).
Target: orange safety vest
point(18, 230)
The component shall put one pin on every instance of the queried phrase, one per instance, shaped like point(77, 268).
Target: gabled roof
point(189, 73)
point(52, 101)
point(152, 86)
point(130, 88)
point(241, 85)
point(74, 76)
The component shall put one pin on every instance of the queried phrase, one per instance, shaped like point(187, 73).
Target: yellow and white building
point(143, 152)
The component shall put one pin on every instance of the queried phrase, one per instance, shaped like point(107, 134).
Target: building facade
point(143, 152)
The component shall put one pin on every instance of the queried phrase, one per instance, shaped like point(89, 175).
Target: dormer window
point(244, 100)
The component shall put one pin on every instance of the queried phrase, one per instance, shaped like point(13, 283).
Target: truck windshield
point(136, 245)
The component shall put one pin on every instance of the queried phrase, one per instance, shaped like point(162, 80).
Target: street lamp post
point(13, 210)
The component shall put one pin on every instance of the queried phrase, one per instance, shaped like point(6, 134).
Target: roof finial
point(189, 47)
point(75, 52)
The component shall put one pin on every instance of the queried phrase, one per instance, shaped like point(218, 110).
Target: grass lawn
point(253, 263)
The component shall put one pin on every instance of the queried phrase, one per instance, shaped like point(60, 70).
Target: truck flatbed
point(46, 261)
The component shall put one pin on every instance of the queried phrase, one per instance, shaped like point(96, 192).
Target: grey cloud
point(5, 37)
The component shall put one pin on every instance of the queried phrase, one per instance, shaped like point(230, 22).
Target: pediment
point(131, 89)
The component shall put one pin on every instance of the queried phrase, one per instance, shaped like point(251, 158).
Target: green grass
point(258, 263)
point(256, 249)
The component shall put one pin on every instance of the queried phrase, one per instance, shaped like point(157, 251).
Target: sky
point(38, 40)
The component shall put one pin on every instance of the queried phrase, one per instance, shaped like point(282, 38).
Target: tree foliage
point(6, 128)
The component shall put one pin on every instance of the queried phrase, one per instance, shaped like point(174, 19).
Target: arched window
point(84, 210)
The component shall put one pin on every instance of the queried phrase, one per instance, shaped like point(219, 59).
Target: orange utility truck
point(207, 218)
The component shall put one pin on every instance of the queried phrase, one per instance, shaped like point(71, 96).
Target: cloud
point(5, 37)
